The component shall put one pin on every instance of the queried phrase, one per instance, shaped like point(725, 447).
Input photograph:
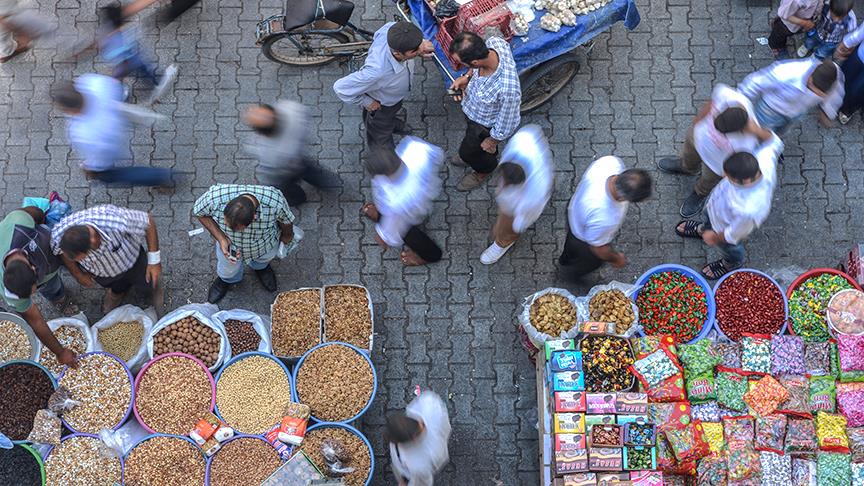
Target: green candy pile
point(809, 302)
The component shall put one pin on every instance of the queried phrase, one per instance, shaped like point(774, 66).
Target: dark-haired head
point(401, 428)
point(239, 213)
point(633, 185)
point(731, 120)
point(742, 168)
point(823, 77)
point(19, 278)
point(382, 160)
point(511, 173)
point(66, 97)
point(469, 48)
point(262, 119)
point(76, 242)
point(840, 8)
point(112, 15)
point(404, 39)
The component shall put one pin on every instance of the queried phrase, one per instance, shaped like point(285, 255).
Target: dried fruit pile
point(552, 314)
point(242, 336)
point(243, 461)
point(24, 390)
point(336, 382)
point(353, 445)
point(672, 303)
point(70, 337)
point(749, 302)
point(78, 461)
point(173, 394)
point(14, 343)
point(123, 339)
point(346, 315)
point(809, 302)
point(103, 387)
point(296, 322)
point(163, 461)
point(252, 393)
point(18, 467)
point(606, 361)
point(190, 336)
point(612, 306)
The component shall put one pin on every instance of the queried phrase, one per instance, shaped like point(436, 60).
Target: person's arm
point(81, 276)
point(506, 123)
point(352, 88)
point(37, 322)
point(755, 129)
point(830, 105)
point(287, 230)
point(137, 6)
point(703, 112)
point(37, 214)
point(732, 235)
point(607, 254)
point(756, 84)
point(787, 11)
point(424, 478)
point(216, 232)
point(154, 257)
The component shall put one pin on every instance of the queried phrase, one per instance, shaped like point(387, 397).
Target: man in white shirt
point(404, 184)
point(418, 440)
point(725, 125)
point(738, 205)
point(785, 91)
point(597, 211)
point(523, 190)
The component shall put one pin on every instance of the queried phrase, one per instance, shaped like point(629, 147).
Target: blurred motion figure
point(418, 440)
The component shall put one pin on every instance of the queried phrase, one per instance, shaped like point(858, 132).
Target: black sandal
point(692, 228)
point(717, 268)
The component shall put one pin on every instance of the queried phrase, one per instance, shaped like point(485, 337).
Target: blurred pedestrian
point(404, 183)
point(524, 188)
point(738, 205)
point(248, 223)
point(98, 129)
point(280, 145)
point(384, 81)
point(491, 97)
point(792, 16)
point(596, 212)
point(168, 12)
point(834, 21)
point(418, 439)
point(726, 124)
point(19, 27)
point(853, 73)
point(785, 91)
point(114, 247)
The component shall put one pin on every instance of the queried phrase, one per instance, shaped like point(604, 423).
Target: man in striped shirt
point(115, 247)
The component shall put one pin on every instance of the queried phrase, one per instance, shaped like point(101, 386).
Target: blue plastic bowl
point(324, 425)
point(757, 272)
point(238, 436)
point(244, 356)
point(81, 434)
point(357, 350)
point(44, 370)
point(696, 276)
point(146, 438)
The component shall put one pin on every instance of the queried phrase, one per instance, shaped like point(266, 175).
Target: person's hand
point(619, 260)
point(426, 48)
point(85, 279)
point(286, 237)
point(489, 145)
point(153, 273)
point(225, 246)
point(374, 106)
point(711, 238)
point(842, 51)
point(68, 357)
point(459, 84)
point(808, 25)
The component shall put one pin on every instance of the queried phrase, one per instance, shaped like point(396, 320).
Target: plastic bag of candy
point(850, 402)
point(713, 433)
point(688, 443)
point(776, 469)
point(823, 393)
point(744, 464)
point(729, 353)
point(831, 432)
point(770, 433)
point(766, 395)
point(701, 388)
point(857, 473)
point(706, 412)
point(803, 472)
point(670, 390)
point(655, 368)
point(851, 352)
point(834, 358)
point(711, 470)
point(738, 431)
point(731, 385)
point(698, 358)
point(801, 437)
point(856, 443)
point(798, 403)
point(833, 469)
point(817, 358)
point(756, 353)
point(645, 345)
point(666, 461)
point(787, 355)
point(674, 415)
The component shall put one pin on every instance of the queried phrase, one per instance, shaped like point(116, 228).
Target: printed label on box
point(635, 403)
point(569, 423)
point(566, 361)
point(569, 442)
point(617, 479)
point(581, 479)
point(571, 461)
point(646, 478)
point(570, 401)
point(568, 381)
point(600, 403)
point(557, 345)
point(605, 459)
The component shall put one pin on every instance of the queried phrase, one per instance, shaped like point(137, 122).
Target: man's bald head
point(261, 118)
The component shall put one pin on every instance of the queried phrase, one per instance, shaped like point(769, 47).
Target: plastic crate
point(479, 15)
point(446, 32)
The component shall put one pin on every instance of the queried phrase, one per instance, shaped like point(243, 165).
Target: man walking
point(597, 211)
point(248, 223)
point(725, 125)
point(279, 144)
point(114, 247)
point(418, 440)
point(784, 91)
point(491, 96)
point(385, 80)
point(524, 188)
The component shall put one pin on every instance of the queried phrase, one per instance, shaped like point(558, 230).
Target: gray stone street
point(450, 326)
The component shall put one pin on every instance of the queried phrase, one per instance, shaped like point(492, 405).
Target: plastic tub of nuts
point(337, 381)
point(73, 334)
point(78, 461)
point(163, 459)
point(242, 460)
point(172, 392)
point(296, 322)
point(17, 339)
point(354, 443)
point(190, 330)
point(25, 387)
point(103, 385)
point(21, 466)
point(246, 331)
point(348, 315)
point(252, 391)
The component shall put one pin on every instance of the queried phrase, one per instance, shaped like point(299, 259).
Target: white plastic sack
point(628, 289)
point(293, 245)
point(260, 323)
point(118, 442)
point(523, 7)
point(78, 321)
point(204, 314)
point(537, 337)
point(127, 313)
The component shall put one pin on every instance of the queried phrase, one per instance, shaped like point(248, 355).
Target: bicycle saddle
point(302, 12)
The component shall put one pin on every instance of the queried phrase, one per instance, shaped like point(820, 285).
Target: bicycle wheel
point(541, 83)
point(302, 48)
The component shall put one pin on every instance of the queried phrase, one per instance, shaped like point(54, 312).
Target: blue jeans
point(53, 290)
point(232, 272)
point(733, 255)
point(135, 176)
point(137, 65)
point(853, 71)
point(769, 118)
point(820, 48)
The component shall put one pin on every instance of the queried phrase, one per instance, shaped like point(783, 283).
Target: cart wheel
point(301, 48)
point(541, 83)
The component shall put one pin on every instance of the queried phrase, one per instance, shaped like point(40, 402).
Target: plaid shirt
point(493, 101)
point(123, 237)
point(263, 234)
point(830, 31)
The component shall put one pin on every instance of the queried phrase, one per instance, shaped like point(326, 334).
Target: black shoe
point(692, 206)
point(406, 129)
point(218, 290)
point(672, 165)
point(267, 277)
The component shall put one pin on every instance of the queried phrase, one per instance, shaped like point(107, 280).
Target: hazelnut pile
point(190, 336)
point(350, 443)
point(242, 336)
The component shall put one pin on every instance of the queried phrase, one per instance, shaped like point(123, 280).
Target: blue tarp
point(541, 45)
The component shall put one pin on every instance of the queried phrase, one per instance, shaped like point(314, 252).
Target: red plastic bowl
point(815, 273)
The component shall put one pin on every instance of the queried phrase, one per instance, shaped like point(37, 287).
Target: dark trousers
point(175, 9)
point(779, 35)
point(138, 66)
point(135, 276)
point(423, 246)
point(853, 70)
point(382, 123)
point(134, 176)
point(577, 255)
point(313, 174)
point(470, 151)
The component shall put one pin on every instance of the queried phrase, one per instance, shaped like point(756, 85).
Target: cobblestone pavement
point(448, 327)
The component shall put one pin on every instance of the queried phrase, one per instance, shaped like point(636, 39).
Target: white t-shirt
point(525, 201)
point(99, 132)
point(420, 459)
point(737, 211)
point(715, 147)
point(593, 215)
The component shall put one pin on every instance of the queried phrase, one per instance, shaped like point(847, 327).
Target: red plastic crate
point(479, 14)
point(446, 32)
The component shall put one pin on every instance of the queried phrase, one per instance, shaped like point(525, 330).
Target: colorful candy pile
point(749, 302)
point(809, 302)
point(672, 303)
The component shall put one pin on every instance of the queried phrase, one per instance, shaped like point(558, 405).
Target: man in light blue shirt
point(385, 80)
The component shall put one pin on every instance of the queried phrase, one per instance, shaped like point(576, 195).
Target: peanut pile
point(173, 395)
point(123, 339)
point(190, 336)
point(252, 394)
point(70, 337)
point(360, 460)
point(346, 316)
point(77, 461)
point(164, 461)
point(242, 462)
point(336, 382)
point(552, 314)
point(612, 306)
point(14, 343)
point(296, 322)
point(103, 387)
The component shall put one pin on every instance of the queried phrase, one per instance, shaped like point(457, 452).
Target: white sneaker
point(168, 78)
point(843, 118)
point(803, 51)
point(493, 253)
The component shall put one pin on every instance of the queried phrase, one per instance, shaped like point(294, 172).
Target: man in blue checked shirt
point(490, 96)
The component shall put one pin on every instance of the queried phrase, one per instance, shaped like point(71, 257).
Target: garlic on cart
point(566, 17)
point(541, 5)
point(550, 22)
point(519, 25)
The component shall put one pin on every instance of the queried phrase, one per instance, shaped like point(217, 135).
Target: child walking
point(836, 20)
